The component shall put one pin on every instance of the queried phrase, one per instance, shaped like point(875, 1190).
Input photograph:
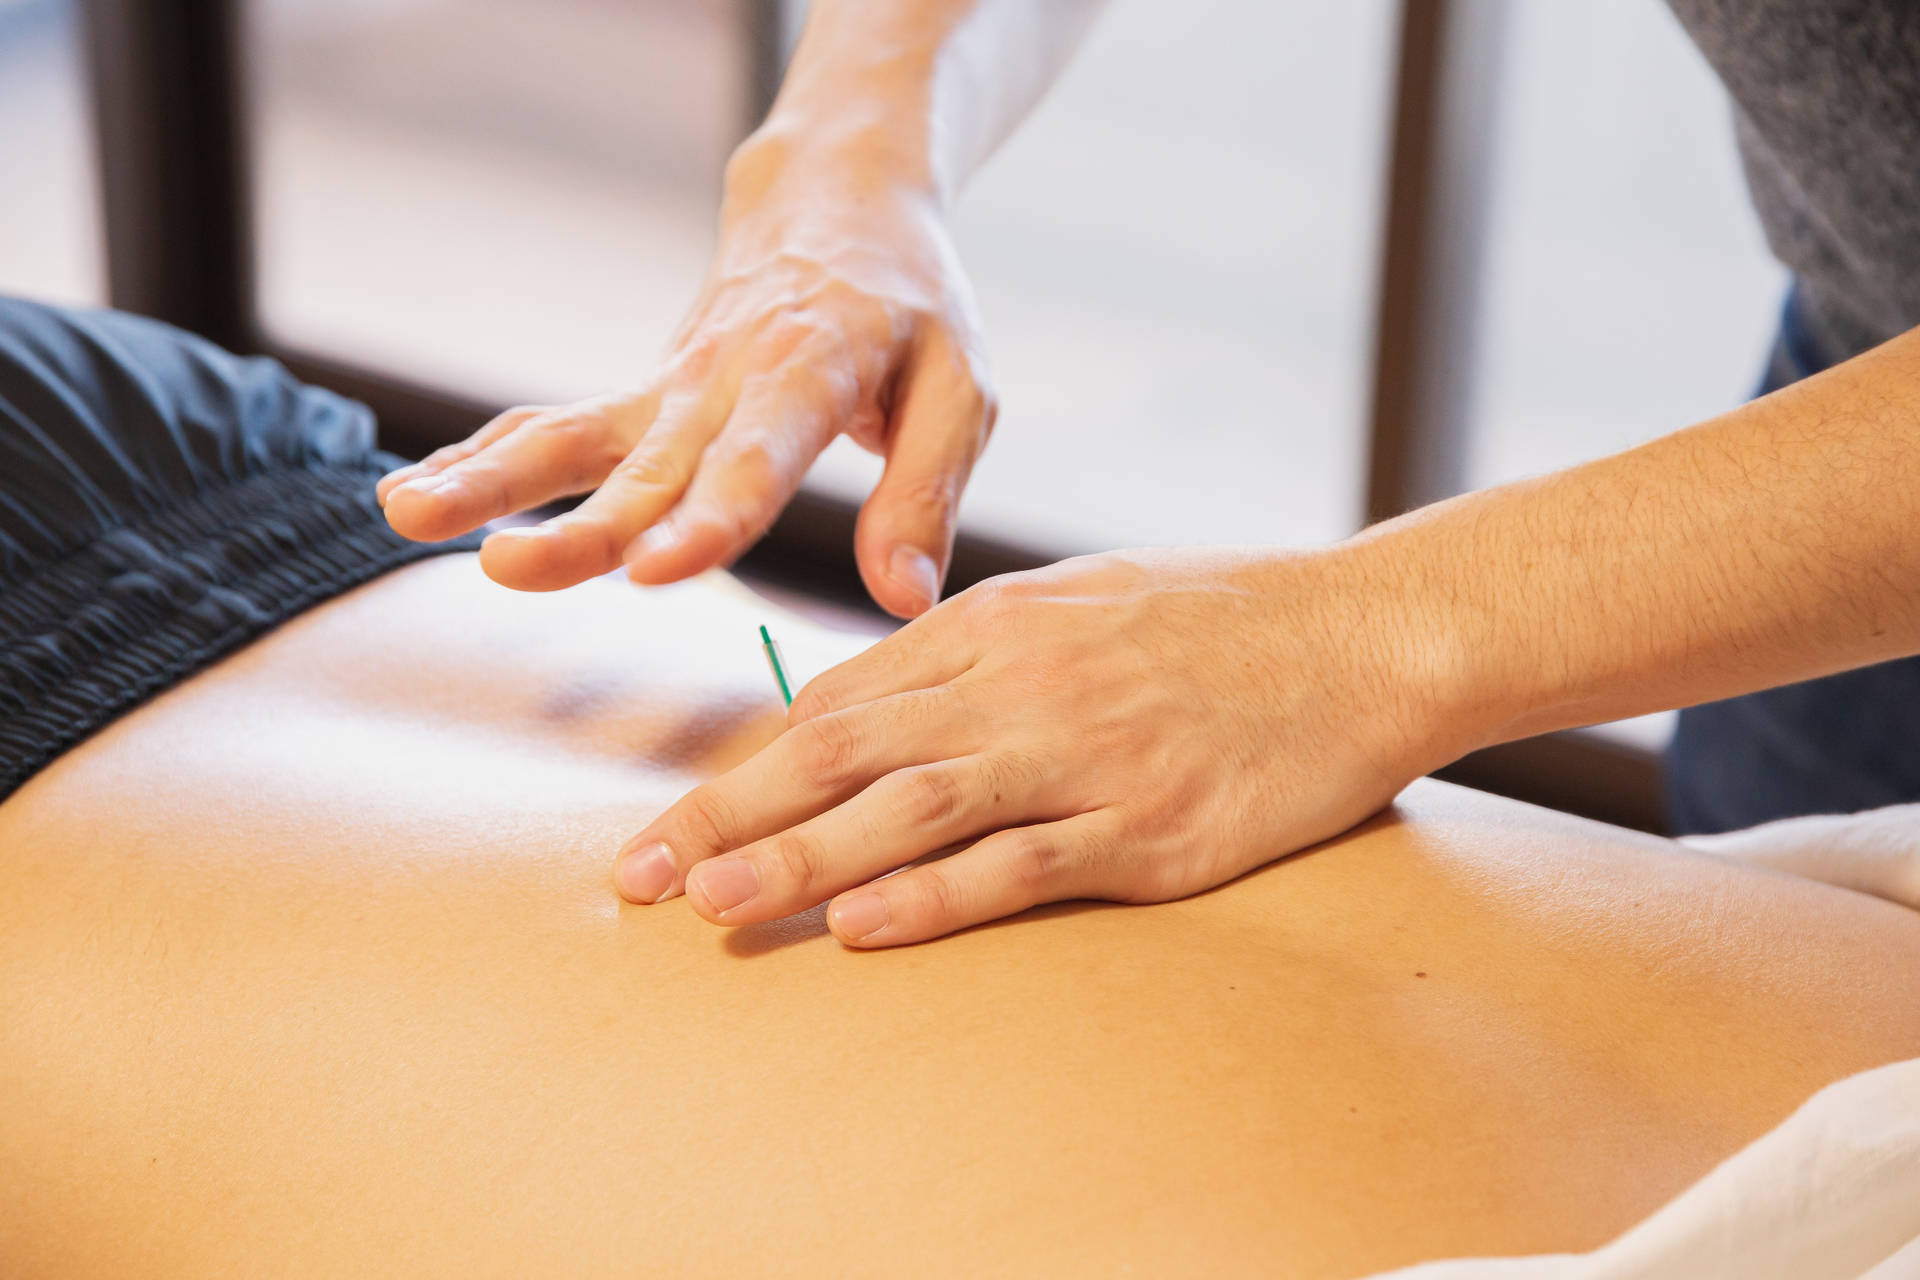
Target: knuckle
point(735, 525)
point(577, 441)
point(941, 901)
point(775, 335)
point(759, 387)
point(1040, 864)
point(932, 496)
point(651, 469)
point(692, 362)
point(932, 797)
point(606, 539)
point(795, 860)
point(566, 430)
point(991, 601)
point(837, 293)
point(707, 823)
point(987, 594)
point(828, 384)
point(755, 467)
point(599, 533)
point(827, 751)
point(815, 699)
point(487, 480)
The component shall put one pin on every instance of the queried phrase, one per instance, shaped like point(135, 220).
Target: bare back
point(312, 966)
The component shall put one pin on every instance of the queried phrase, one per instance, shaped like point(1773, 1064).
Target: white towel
point(1833, 1193)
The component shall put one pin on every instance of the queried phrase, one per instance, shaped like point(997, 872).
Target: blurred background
point(1180, 258)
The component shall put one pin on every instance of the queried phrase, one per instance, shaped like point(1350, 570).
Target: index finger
point(807, 770)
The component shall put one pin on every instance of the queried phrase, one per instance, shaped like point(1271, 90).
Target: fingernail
point(644, 874)
point(913, 569)
point(724, 883)
point(861, 916)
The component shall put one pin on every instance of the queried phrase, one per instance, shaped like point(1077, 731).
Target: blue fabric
point(1836, 745)
point(162, 502)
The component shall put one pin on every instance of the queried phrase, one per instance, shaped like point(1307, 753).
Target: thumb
point(943, 415)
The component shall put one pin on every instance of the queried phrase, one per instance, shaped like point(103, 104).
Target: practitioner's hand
point(1134, 727)
point(835, 304)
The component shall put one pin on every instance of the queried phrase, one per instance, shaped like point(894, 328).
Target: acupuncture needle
point(772, 650)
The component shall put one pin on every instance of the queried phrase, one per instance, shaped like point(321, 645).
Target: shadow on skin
point(777, 935)
point(805, 926)
point(715, 738)
point(1392, 815)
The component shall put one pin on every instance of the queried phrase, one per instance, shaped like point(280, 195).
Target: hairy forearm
point(914, 93)
point(1775, 543)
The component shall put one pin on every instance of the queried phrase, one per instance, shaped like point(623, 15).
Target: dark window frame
point(170, 109)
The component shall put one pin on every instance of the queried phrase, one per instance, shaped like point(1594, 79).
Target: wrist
point(1424, 619)
point(787, 162)
point(864, 126)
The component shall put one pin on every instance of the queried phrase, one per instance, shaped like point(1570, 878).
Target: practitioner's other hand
point(835, 304)
point(1134, 727)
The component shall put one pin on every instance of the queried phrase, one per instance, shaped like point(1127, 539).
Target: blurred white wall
point(1175, 258)
point(1629, 291)
point(514, 198)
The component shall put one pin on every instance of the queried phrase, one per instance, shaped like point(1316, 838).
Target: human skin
point(1768, 545)
point(1772, 544)
point(310, 967)
point(835, 304)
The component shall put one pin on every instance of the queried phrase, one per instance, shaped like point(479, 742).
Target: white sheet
point(1833, 1193)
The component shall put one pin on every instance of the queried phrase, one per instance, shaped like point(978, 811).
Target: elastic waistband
point(147, 604)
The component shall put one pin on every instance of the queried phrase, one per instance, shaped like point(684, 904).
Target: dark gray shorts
point(162, 502)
